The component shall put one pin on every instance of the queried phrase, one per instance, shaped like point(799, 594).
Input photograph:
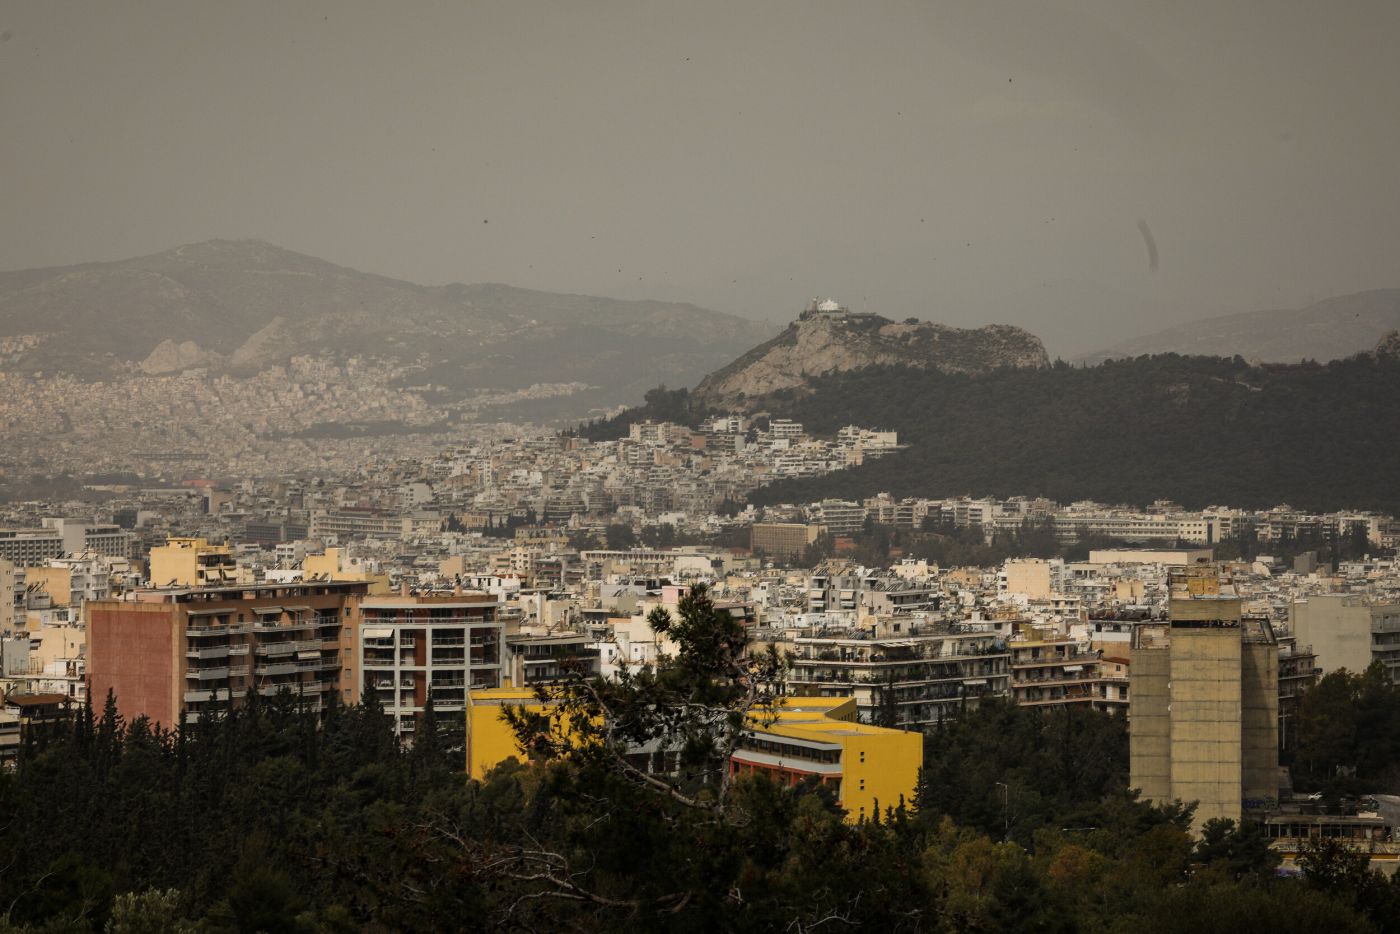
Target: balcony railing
point(286, 648)
point(285, 627)
point(231, 630)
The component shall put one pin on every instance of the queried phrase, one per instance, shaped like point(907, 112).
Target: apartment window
point(862, 784)
point(862, 758)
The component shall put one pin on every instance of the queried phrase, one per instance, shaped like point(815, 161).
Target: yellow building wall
point(490, 740)
point(879, 770)
point(57, 582)
point(174, 565)
point(329, 566)
point(879, 766)
point(323, 565)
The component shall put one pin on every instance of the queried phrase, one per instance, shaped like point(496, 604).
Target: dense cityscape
point(511, 572)
point(787, 467)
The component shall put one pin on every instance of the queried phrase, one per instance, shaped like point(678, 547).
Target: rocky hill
point(1327, 330)
point(822, 344)
point(240, 307)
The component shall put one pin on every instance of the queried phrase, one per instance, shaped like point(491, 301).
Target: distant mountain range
point(1326, 330)
point(239, 307)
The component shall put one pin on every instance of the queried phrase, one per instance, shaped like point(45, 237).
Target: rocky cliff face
point(825, 344)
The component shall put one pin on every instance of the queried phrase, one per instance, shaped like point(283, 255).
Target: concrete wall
point(1206, 742)
point(1337, 627)
point(1149, 699)
point(1029, 576)
point(1259, 723)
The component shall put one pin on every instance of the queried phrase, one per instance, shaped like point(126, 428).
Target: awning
point(297, 609)
point(1074, 668)
point(267, 610)
point(377, 632)
point(207, 612)
point(307, 655)
point(976, 681)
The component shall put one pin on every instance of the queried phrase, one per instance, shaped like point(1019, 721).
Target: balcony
point(450, 683)
point(199, 632)
point(295, 687)
point(294, 625)
point(286, 648)
point(218, 651)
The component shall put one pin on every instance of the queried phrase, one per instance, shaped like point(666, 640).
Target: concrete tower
point(1203, 703)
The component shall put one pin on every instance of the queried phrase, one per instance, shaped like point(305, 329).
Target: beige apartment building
point(784, 539)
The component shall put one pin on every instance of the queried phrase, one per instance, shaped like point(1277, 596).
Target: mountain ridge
point(1331, 329)
point(242, 306)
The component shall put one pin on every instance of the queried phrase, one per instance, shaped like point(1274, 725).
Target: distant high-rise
point(1204, 703)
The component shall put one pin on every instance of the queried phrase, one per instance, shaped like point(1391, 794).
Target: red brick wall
point(132, 650)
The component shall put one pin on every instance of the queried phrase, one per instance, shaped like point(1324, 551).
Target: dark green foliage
point(659, 405)
point(1198, 430)
point(1057, 766)
point(273, 818)
point(1348, 734)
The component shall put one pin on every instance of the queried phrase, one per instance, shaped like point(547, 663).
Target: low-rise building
point(869, 768)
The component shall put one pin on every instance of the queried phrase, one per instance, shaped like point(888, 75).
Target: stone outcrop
point(819, 345)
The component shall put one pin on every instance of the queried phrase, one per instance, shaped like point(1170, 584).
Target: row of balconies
point(235, 629)
point(286, 648)
point(217, 674)
point(1061, 678)
point(425, 622)
point(285, 627)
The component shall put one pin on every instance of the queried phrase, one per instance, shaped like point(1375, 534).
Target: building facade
point(168, 653)
point(409, 646)
point(1204, 703)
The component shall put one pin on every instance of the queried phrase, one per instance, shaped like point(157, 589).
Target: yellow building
point(490, 740)
point(867, 766)
point(334, 565)
point(818, 737)
point(56, 582)
point(192, 562)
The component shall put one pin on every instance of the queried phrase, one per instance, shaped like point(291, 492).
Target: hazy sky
point(963, 162)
